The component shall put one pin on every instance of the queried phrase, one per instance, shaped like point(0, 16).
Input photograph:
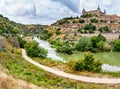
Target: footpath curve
point(71, 76)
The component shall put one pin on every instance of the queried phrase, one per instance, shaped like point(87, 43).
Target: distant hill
point(11, 27)
point(7, 26)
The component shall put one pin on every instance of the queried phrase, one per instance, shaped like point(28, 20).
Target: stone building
point(102, 15)
point(97, 12)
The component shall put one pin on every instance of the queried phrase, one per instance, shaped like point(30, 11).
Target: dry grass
point(8, 82)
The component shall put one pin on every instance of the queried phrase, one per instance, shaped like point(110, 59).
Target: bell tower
point(98, 8)
point(105, 12)
point(83, 11)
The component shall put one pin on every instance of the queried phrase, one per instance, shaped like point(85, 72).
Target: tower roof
point(83, 9)
point(98, 7)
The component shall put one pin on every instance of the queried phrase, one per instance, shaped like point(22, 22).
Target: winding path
point(72, 76)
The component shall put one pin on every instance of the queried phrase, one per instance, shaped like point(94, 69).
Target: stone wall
point(1, 43)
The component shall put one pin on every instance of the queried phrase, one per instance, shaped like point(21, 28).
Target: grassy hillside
point(12, 28)
point(9, 82)
point(12, 60)
point(7, 26)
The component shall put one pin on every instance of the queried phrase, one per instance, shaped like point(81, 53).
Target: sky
point(46, 12)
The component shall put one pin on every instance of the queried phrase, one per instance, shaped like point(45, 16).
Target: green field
point(112, 58)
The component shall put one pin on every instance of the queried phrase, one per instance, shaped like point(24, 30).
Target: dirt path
point(72, 76)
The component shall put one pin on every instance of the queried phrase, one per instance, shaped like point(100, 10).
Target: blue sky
point(48, 11)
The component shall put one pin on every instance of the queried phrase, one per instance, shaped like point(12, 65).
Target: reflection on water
point(51, 52)
point(110, 68)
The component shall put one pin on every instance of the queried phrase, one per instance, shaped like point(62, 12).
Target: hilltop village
point(89, 23)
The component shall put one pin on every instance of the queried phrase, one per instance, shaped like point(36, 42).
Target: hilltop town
point(89, 23)
point(96, 17)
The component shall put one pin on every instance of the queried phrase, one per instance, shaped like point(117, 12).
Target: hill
point(95, 18)
point(12, 28)
point(90, 23)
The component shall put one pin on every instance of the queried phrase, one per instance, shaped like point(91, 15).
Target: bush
point(58, 32)
point(107, 47)
point(88, 63)
point(86, 16)
point(81, 21)
point(104, 29)
point(21, 42)
point(100, 45)
point(64, 49)
point(84, 44)
point(98, 42)
point(80, 30)
point(91, 31)
point(94, 41)
point(89, 26)
point(116, 45)
point(94, 20)
point(101, 37)
point(33, 50)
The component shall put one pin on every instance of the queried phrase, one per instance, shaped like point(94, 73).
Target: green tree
point(21, 42)
point(94, 41)
point(80, 30)
point(64, 49)
point(94, 20)
point(104, 29)
point(101, 37)
point(81, 21)
point(84, 44)
point(116, 45)
point(58, 32)
point(33, 50)
point(88, 63)
point(91, 31)
point(89, 26)
point(100, 45)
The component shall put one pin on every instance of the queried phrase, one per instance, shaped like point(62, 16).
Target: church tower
point(105, 12)
point(83, 11)
point(98, 8)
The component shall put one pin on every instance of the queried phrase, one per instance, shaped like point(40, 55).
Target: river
point(53, 55)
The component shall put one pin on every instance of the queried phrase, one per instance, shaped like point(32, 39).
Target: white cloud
point(48, 11)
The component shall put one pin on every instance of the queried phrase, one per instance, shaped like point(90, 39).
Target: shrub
point(101, 37)
point(86, 16)
point(64, 49)
point(98, 42)
point(80, 30)
point(88, 63)
point(81, 21)
point(33, 50)
point(44, 32)
point(100, 45)
point(94, 41)
point(91, 31)
point(94, 20)
point(21, 42)
point(58, 32)
point(116, 45)
point(104, 29)
point(107, 47)
point(89, 26)
point(84, 44)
